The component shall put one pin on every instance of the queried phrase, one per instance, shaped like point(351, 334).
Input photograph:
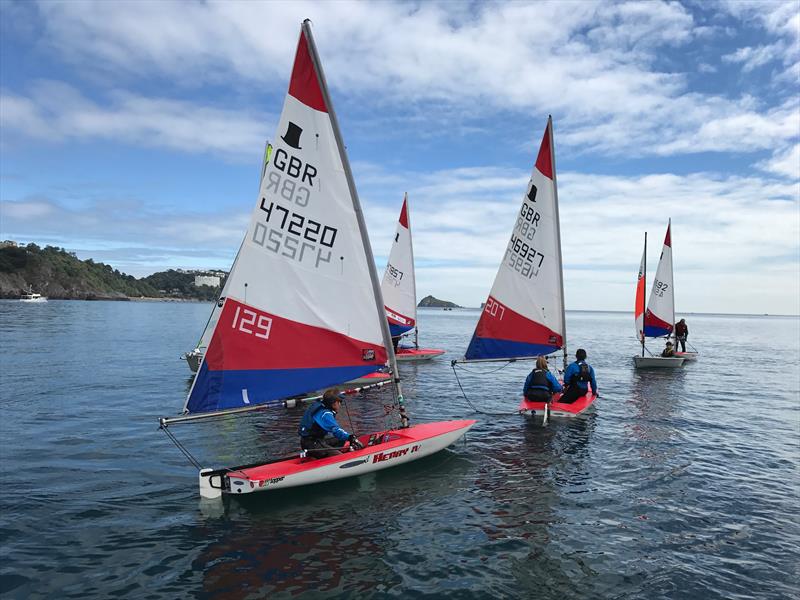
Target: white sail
point(660, 315)
point(524, 314)
point(398, 285)
point(299, 311)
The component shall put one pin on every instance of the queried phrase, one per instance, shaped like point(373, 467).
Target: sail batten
point(524, 313)
point(306, 235)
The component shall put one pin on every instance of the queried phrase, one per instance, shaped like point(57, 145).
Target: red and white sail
point(524, 314)
point(638, 310)
point(398, 286)
point(660, 315)
point(299, 311)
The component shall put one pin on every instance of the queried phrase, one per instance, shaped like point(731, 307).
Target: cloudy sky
point(132, 134)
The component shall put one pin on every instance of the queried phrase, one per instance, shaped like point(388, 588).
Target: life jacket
point(308, 425)
point(584, 375)
point(539, 381)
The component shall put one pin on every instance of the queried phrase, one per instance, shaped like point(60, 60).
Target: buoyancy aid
point(539, 381)
point(583, 375)
point(308, 425)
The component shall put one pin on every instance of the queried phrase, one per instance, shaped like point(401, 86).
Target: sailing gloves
point(354, 443)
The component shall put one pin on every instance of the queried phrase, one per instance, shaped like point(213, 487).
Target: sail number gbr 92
point(294, 236)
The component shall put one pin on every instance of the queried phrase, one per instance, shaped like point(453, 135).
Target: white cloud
point(56, 111)
point(586, 62)
point(784, 162)
point(754, 57)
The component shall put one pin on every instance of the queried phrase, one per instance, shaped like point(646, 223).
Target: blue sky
point(132, 133)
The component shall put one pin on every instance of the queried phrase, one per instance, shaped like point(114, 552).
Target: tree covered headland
point(56, 273)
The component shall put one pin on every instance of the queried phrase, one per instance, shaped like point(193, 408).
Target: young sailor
point(577, 378)
point(318, 422)
point(541, 384)
point(681, 333)
point(668, 351)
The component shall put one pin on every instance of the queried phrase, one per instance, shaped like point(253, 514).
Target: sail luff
point(644, 288)
point(558, 241)
point(373, 272)
point(672, 280)
point(413, 264)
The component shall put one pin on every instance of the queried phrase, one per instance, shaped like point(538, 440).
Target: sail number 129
point(249, 321)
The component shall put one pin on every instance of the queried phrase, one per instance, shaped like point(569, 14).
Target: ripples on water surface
point(683, 484)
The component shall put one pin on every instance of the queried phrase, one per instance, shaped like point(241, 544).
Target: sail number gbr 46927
point(520, 254)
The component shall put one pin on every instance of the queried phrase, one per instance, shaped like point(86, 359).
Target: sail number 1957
point(249, 321)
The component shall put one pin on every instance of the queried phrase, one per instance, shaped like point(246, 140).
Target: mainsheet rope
point(472, 406)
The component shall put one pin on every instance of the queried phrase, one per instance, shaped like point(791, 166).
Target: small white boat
point(658, 362)
point(31, 296)
point(399, 289)
point(656, 320)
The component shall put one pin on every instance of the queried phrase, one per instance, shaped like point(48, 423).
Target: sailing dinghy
point(303, 308)
point(524, 316)
point(656, 320)
point(399, 290)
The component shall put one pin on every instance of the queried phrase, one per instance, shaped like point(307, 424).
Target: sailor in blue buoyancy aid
point(318, 422)
point(577, 378)
point(541, 384)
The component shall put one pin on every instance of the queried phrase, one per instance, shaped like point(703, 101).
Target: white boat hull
point(687, 355)
point(657, 362)
point(413, 355)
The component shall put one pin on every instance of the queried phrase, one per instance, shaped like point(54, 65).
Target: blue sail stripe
point(483, 348)
point(396, 330)
point(652, 331)
point(220, 390)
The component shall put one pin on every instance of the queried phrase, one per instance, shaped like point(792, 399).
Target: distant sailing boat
point(524, 315)
point(303, 308)
point(399, 290)
point(658, 318)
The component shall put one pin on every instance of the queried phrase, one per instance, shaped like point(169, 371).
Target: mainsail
point(524, 314)
point(660, 315)
point(398, 285)
point(638, 309)
point(304, 236)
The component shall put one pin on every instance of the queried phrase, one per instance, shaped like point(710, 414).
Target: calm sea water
point(682, 484)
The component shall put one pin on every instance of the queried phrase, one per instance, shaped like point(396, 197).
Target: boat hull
point(657, 362)
point(401, 446)
point(687, 355)
point(557, 409)
point(417, 354)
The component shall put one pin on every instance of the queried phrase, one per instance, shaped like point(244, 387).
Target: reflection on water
point(675, 487)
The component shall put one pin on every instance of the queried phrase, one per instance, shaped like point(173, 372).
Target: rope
point(472, 406)
point(180, 447)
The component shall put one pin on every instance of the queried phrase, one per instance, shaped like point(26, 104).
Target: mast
point(644, 290)
point(558, 239)
point(672, 278)
point(414, 269)
point(362, 227)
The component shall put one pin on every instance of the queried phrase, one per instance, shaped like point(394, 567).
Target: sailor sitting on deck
point(540, 384)
point(319, 421)
point(577, 378)
point(668, 351)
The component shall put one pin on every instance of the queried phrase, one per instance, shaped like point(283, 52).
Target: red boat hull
point(557, 409)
